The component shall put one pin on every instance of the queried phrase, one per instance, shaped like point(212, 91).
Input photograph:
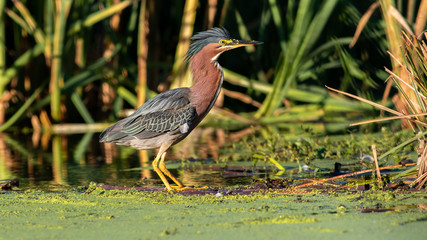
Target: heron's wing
point(164, 113)
point(161, 121)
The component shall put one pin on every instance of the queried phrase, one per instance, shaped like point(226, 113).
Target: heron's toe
point(182, 188)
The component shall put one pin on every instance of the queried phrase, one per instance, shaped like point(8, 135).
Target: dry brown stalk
point(376, 105)
point(377, 167)
point(142, 49)
point(212, 8)
point(242, 97)
point(350, 175)
point(409, 116)
point(422, 163)
point(232, 115)
point(363, 21)
point(420, 21)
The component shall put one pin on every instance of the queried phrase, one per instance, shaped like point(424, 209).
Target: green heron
point(170, 116)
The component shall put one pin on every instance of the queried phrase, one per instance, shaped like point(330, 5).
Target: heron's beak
point(241, 43)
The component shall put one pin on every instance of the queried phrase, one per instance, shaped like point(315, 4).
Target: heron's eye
point(222, 42)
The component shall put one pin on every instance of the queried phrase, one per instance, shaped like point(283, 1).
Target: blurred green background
point(88, 62)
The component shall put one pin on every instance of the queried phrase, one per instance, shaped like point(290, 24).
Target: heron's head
point(216, 38)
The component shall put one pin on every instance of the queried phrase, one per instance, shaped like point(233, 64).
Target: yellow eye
point(222, 42)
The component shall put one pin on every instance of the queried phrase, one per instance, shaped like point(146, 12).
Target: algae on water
point(130, 214)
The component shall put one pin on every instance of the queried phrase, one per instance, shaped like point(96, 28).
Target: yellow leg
point(157, 170)
point(163, 168)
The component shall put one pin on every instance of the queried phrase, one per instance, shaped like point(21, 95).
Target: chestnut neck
point(207, 76)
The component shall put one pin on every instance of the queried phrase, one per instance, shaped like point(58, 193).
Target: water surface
point(61, 161)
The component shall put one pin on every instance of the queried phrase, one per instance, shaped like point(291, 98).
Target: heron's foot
point(181, 188)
